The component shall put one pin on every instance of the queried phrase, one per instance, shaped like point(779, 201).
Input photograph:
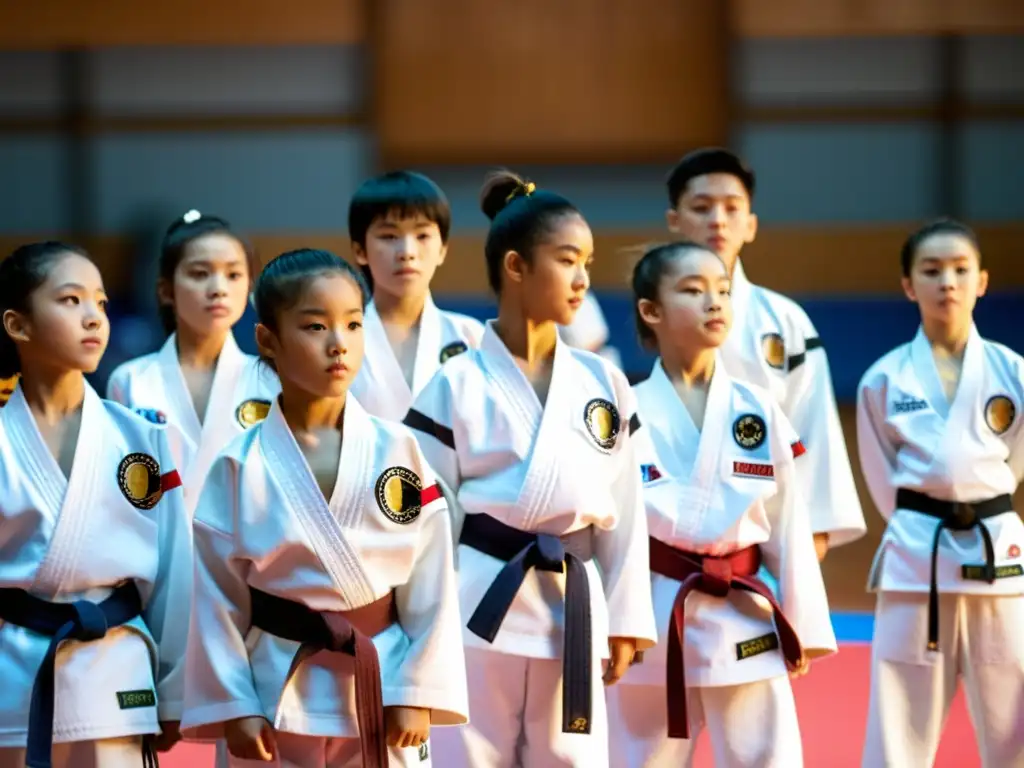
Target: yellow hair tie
point(524, 190)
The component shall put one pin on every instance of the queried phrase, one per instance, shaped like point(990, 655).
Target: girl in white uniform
point(399, 225)
point(535, 440)
point(942, 449)
point(718, 461)
point(95, 568)
point(326, 627)
point(199, 382)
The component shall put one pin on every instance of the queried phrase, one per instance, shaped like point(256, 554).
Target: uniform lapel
point(65, 500)
point(325, 531)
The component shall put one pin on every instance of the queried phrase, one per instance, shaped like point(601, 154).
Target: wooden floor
point(846, 569)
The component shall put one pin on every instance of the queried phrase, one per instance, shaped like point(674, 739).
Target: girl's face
point(66, 327)
point(554, 284)
point(318, 344)
point(402, 253)
point(211, 284)
point(946, 279)
point(694, 309)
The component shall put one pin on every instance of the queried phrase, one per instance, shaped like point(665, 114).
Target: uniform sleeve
point(432, 674)
point(431, 420)
point(166, 611)
point(117, 386)
point(824, 472)
point(789, 553)
point(877, 454)
point(623, 553)
point(219, 684)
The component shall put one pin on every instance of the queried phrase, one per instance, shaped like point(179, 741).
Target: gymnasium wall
point(845, 134)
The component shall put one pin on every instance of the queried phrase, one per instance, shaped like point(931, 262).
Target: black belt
point(956, 516)
point(81, 620)
point(521, 551)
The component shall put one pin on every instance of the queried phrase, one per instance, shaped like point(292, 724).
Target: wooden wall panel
point(793, 260)
point(840, 18)
point(99, 23)
point(488, 81)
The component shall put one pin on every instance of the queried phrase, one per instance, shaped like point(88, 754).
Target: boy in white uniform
point(773, 343)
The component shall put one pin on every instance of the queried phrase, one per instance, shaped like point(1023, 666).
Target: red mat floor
point(832, 702)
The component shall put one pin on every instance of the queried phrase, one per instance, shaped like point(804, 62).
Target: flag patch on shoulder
point(753, 469)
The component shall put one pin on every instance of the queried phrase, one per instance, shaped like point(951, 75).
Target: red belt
point(342, 632)
point(715, 576)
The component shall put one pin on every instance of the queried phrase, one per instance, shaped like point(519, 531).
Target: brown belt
point(346, 632)
point(715, 576)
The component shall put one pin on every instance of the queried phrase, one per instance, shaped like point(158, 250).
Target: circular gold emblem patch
point(7, 387)
point(252, 412)
point(749, 431)
point(1000, 413)
point(602, 420)
point(399, 494)
point(138, 477)
point(451, 350)
point(774, 350)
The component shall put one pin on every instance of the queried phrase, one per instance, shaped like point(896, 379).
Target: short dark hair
point(182, 231)
point(403, 193)
point(285, 277)
point(702, 162)
point(520, 216)
point(942, 226)
point(21, 274)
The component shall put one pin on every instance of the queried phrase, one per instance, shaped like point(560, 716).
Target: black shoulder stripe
point(634, 424)
point(421, 423)
point(795, 361)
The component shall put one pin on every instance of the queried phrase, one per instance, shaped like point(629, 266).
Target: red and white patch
point(431, 494)
point(753, 469)
point(798, 449)
point(1013, 552)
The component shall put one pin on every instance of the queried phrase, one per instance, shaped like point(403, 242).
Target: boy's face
point(946, 279)
point(714, 211)
point(402, 254)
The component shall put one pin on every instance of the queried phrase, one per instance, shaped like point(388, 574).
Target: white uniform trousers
point(297, 751)
point(981, 639)
point(515, 718)
point(124, 752)
point(753, 725)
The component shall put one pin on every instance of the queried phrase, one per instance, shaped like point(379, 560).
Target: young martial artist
point(773, 343)
point(399, 225)
point(199, 382)
point(717, 459)
point(535, 439)
point(942, 448)
point(95, 568)
point(326, 626)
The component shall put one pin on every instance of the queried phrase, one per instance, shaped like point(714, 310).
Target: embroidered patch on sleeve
point(399, 494)
point(136, 699)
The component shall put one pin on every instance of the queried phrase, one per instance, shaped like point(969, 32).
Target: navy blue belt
point(521, 551)
point(81, 620)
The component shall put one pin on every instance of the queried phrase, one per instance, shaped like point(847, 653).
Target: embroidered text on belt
point(956, 516)
point(521, 551)
point(715, 576)
point(81, 620)
point(346, 632)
